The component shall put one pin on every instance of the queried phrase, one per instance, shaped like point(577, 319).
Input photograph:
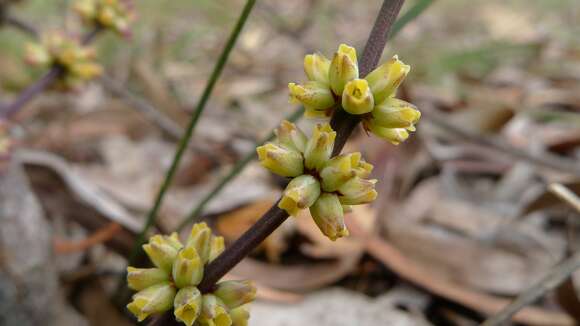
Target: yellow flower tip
point(343, 68)
point(218, 246)
point(349, 51)
point(200, 240)
point(240, 316)
point(187, 305)
point(141, 278)
point(187, 267)
point(357, 191)
point(319, 146)
point(291, 136)
point(357, 97)
point(235, 293)
point(152, 300)
point(160, 254)
point(328, 215)
point(214, 311)
point(281, 160)
point(289, 205)
point(386, 78)
point(316, 67)
point(395, 113)
point(296, 92)
point(300, 193)
point(313, 95)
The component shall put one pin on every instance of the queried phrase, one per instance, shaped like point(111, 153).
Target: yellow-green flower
point(316, 67)
point(395, 113)
point(343, 68)
point(328, 214)
point(385, 79)
point(112, 14)
point(281, 160)
point(173, 283)
point(187, 305)
point(155, 299)
point(240, 316)
point(315, 96)
point(57, 49)
point(357, 97)
point(300, 193)
point(319, 146)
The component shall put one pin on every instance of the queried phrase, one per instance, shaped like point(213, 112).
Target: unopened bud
point(319, 146)
point(357, 97)
point(313, 95)
point(200, 240)
point(235, 293)
point(291, 136)
point(394, 135)
point(358, 191)
point(328, 215)
point(187, 268)
point(316, 67)
point(218, 246)
point(153, 300)
point(342, 168)
point(281, 160)
point(187, 305)
point(386, 78)
point(161, 252)
point(141, 278)
point(395, 113)
point(214, 312)
point(343, 68)
point(240, 316)
point(300, 193)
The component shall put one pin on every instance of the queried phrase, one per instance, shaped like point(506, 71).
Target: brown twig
point(341, 122)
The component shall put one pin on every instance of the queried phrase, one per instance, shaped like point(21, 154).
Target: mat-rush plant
point(304, 160)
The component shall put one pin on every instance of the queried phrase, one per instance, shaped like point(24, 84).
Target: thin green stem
point(415, 11)
point(223, 58)
point(195, 214)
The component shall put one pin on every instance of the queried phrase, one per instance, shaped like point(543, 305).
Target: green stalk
point(223, 58)
point(195, 214)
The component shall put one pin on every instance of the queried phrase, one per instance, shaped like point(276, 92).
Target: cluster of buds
point(110, 14)
point(336, 83)
point(57, 49)
point(325, 185)
point(173, 282)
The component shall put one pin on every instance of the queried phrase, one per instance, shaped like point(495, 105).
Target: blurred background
point(463, 223)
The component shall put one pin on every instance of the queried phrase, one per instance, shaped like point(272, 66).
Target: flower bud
point(217, 247)
point(235, 293)
point(161, 252)
point(173, 240)
point(37, 55)
point(342, 168)
point(395, 113)
point(328, 215)
point(141, 278)
point(319, 146)
point(187, 268)
point(154, 299)
point(313, 95)
point(358, 191)
point(290, 136)
point(214, 312)
point(187, 305)
point(281, 160)
point(86, 70)
point(394, 135)
point(316, 67)
point(357, 97)
point(85, 8)
point(343, 68)
point(300, 193)
point(200, 240)
point(240, 316)
point(385, 79)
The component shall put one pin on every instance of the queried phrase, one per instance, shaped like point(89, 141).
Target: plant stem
point(137, 253)
point(195, 214)
point(275, 216)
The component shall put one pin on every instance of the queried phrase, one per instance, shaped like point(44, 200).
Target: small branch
point(558, 275)
point(275, 216)
point(21, 25)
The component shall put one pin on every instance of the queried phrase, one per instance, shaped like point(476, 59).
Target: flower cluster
point(173, 282)
point(325, 185)
point(111, 14)
point(336, 83)
point(57, 49)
